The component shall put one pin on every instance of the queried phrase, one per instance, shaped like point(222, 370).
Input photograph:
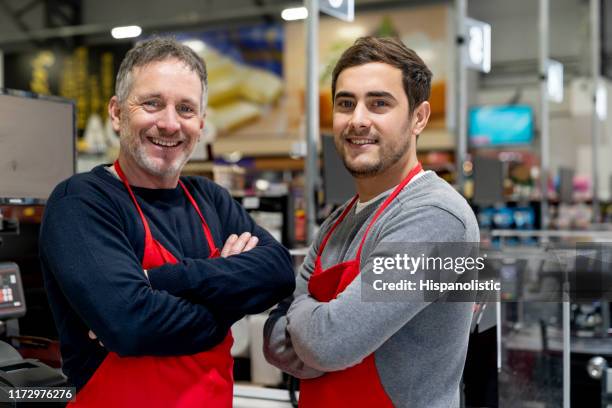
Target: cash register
point(15, 371)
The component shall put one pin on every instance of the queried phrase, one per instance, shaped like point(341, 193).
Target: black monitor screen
point(488, 181)
point(338, 183)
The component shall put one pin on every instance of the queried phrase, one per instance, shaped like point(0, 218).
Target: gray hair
point(154, 50)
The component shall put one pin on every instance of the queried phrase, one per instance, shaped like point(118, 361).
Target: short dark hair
point(154, 50)
point(416, 77)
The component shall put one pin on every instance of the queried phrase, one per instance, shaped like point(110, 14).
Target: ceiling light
point(296, 13)
point(126, 32)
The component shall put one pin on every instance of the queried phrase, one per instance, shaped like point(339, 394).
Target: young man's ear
point(114, 112)
point(420, 117)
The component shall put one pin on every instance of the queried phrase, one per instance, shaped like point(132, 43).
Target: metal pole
point(566, 333)
point(312, 114)
point(566, 346)
point(498, 332)
point(596, 126)
point(544, 112)
point(605, 390)
point(1, 69)
point(461, 93)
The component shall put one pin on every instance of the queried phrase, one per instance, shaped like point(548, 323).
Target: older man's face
point(161, 120)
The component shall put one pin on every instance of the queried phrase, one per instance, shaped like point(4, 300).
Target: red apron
point(359, 385)
point(200, 380)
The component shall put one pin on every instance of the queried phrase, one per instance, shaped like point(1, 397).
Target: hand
point(238, 244)
point(93, 336)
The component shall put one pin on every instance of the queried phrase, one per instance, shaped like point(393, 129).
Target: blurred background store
point(520, 126)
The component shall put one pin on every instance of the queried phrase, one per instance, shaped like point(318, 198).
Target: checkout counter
point(16, 371)
point(554, 332)
point(250, 396)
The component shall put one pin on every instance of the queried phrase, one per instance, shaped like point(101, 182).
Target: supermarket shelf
point(280, 163)
point(196, 168)
point(258, 145)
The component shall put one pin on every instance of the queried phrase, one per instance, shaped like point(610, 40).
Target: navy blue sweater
point(91, 247)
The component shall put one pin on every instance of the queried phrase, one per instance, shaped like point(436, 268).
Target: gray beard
point(139, 155)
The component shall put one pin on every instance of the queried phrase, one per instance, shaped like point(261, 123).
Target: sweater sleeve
point(277, 346)
point(84, 248)
point(335, 335)
point(247, 283)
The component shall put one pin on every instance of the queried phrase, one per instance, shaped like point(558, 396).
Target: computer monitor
point(488, 178)
point(37, 145)
point(502, 125)
point(338, 183)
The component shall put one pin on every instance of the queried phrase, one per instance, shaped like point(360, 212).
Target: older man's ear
point(114, 112)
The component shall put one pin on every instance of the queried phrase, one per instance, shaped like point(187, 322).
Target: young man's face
point(372, 125)
point(161, 120)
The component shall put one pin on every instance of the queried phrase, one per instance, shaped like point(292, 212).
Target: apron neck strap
point(148, 235)
point(207, 233)
point(415, 170)
point(331, 230)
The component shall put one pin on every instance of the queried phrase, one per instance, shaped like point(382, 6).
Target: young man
point(142, 297)
point(353, 353)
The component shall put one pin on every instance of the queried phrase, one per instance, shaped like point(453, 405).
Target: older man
point(131, 252)
point(350, 352)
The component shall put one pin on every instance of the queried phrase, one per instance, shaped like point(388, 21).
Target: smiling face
point(159, 123)
point(372, 125)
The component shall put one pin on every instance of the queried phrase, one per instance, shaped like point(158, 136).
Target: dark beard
point(383, 164)
point(363, 173)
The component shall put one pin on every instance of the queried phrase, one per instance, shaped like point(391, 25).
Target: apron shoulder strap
point(331, 230)
point(415, 170)
point(148, 235)
point(207, 233)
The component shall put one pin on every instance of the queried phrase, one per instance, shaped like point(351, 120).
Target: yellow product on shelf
point(261, 86)
point(224, 90)
point(233, 115)
point(216, 64)
point(237, 94)
point(82, 146)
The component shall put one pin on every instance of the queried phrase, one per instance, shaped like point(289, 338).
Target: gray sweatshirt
point(419, 347)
